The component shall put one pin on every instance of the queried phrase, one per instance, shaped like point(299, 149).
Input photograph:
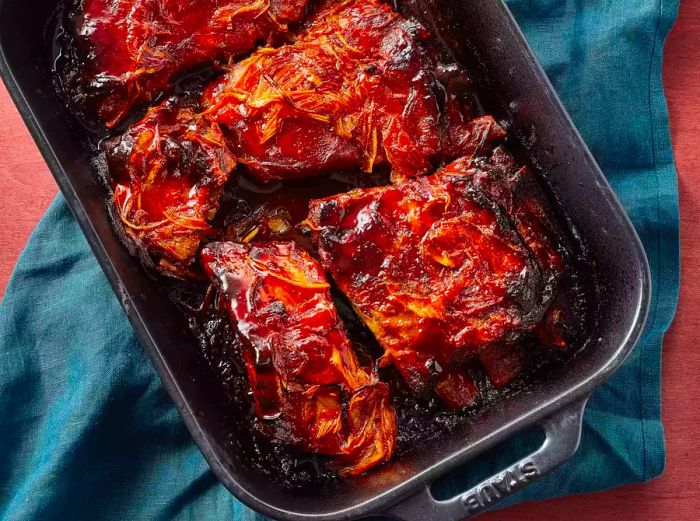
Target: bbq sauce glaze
point(274, 211)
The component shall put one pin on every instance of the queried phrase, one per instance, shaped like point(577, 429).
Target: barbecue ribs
point(358, 88)
point(128, 51)
point(167, 173)
point(300, 363)
point(442, 266)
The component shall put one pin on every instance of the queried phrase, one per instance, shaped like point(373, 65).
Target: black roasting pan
point(515, 89)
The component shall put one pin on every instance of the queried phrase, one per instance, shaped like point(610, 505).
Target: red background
point(28, 188)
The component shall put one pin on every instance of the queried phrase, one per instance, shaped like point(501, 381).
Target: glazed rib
point(300, 363)
point(167, 173)
point(130, 50)
point(358, 88)
point(442, 266)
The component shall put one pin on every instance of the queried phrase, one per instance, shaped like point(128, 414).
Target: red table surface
point(28, 188)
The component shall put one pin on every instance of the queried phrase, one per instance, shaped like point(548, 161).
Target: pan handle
point(563, 434)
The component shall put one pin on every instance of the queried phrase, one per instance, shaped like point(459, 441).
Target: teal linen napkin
point(87, 431)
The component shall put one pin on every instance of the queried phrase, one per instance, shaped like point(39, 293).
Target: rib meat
point(167, 173)
point(357, 88)
point(308, 386)
point(130, 50)
point(442, 266)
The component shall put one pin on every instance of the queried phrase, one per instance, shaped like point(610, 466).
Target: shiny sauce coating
point(257, 201)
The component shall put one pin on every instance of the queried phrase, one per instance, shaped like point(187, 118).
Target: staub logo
point(500, 486)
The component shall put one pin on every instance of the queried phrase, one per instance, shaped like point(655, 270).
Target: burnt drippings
point(255, 211)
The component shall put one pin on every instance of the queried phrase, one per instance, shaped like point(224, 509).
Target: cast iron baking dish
point(484, 34)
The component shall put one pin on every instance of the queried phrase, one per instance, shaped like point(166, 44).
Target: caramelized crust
point(130, 50)
point(357, 89)
point(168, 172)
point(442, 266)
point(300, 363)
